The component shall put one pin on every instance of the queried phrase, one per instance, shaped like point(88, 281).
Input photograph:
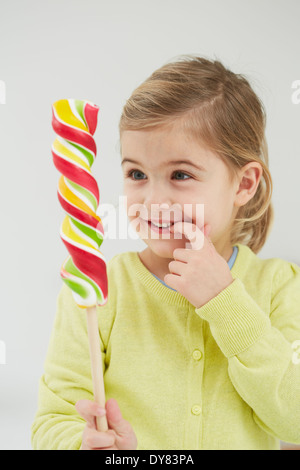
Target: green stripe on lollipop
point(80, 108)
point(84, 192)
point(89, 156)
point(89, 232)
point(70, 268)
point(76, 287)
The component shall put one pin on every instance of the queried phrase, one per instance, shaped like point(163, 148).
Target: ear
point(249, 178)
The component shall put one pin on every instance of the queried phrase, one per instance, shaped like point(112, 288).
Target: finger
point(115, 419)
point(173, 281)
point(191, 232)
point(181, 254)
point(88, 410)
point(207, 230)
point(99, 440)
point(177, 267)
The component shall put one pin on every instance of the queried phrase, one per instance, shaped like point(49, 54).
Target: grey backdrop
point(100, 51)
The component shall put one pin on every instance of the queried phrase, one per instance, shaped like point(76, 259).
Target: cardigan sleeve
point(263, 350)
point(66, 378)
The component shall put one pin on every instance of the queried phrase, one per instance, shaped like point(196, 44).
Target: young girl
point(199, 343)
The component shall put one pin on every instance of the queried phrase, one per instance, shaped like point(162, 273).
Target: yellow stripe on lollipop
point(65, 114)
point(73, 199)
point(62, 150)
point(69, 233)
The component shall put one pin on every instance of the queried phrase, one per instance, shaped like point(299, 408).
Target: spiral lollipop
point(84, 271)
point(74, 151)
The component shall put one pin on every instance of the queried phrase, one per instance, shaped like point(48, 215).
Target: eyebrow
point(173, 162)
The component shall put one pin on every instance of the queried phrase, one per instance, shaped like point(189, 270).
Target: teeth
point(162, 225)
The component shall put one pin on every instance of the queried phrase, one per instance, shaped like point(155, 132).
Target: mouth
point(159, 226)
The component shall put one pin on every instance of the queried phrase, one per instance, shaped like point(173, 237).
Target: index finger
point(89, 410)
point(192, 232)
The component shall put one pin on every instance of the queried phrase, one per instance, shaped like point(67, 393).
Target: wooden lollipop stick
point(96, 365)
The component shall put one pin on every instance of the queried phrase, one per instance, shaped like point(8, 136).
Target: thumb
point(115, 419)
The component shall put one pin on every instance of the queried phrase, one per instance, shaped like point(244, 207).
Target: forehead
point(162, 145)
point(165, 134)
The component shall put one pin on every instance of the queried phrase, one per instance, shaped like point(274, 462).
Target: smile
point(162, 225)
point(159, 227)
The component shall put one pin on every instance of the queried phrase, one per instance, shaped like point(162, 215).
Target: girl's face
point(157, 181)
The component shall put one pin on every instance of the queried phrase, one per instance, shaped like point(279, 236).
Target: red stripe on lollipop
point(78, 214)
point(74, 135)
point(77, 175)
point(91, 265)
point(91, 116)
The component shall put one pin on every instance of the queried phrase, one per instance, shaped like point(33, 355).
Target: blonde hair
point(221, 110)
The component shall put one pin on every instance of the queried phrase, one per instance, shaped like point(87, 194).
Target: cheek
point(132, 195)
point(135, 209)
point(218, 203)
point(220, 211)
point(196, 214)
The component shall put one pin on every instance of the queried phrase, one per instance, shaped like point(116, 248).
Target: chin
point(162, 251)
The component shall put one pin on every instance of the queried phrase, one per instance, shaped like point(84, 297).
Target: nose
point(159, 205)
point(157, 201)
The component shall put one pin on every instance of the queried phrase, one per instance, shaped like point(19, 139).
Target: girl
point(199, 340)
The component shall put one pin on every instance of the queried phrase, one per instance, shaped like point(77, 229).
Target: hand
point(120, 435)
point(199, 273)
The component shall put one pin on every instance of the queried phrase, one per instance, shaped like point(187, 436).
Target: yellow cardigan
point(224, 376)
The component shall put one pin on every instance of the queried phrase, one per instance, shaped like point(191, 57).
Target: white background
point(100, 51)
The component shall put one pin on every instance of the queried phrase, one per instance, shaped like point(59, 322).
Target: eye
point(130, 173)
point(182, 173)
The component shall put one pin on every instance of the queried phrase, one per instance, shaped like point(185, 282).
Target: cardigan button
point(196, 410)
point(197, 355)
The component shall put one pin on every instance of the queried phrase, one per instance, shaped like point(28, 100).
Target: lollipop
point(84, 271)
